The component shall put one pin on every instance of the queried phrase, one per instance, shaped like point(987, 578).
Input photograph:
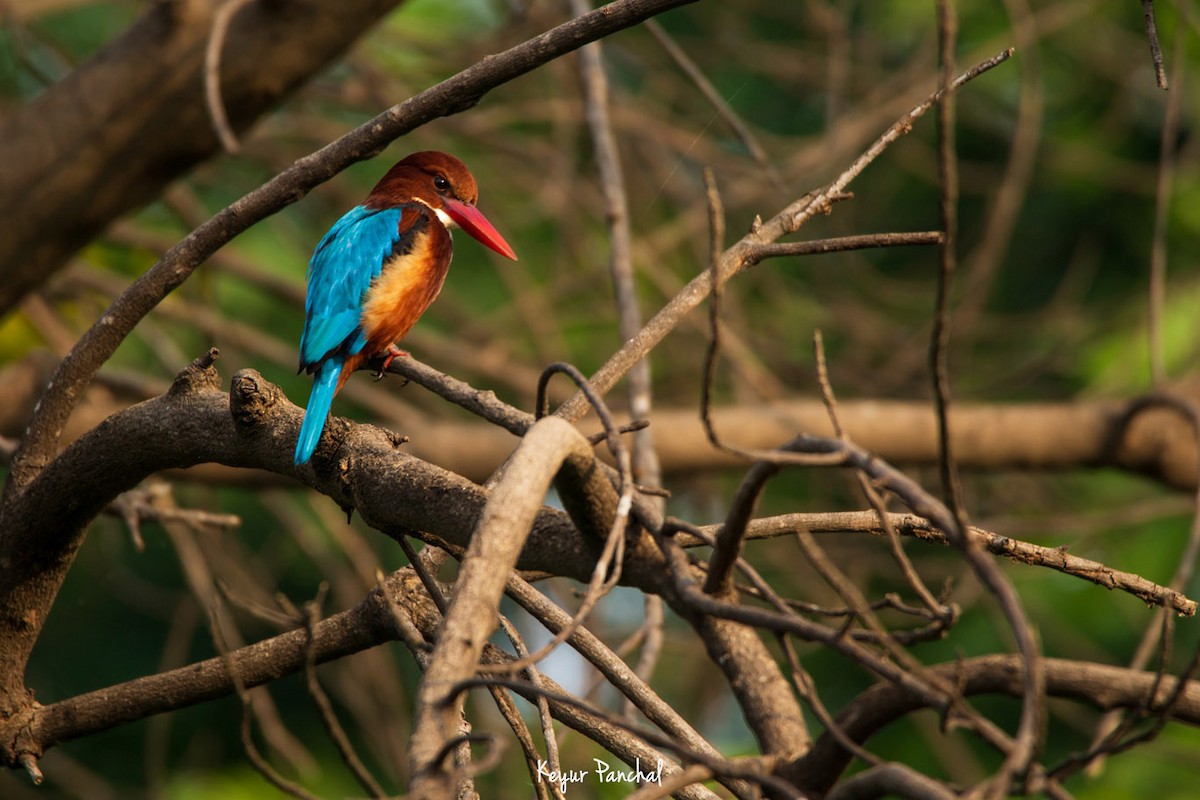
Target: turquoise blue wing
point(345, 262)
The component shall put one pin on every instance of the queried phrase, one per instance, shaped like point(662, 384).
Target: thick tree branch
point(1154, 441)
point(1102, 687)
point(65, 182)
point(253, 426)
point(505, 522)
point(366, 625)
point(399, 609)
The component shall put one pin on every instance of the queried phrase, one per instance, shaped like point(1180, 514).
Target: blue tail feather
point(317, 412)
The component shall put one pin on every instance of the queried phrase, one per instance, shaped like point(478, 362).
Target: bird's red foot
point(392, 352)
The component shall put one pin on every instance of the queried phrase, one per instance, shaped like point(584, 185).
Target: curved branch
point(252, 426)
point(1102, 687)
point(149, 80)
point(891, 780)
point(496, 543)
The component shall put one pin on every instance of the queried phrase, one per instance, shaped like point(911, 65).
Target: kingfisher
point(377, 270)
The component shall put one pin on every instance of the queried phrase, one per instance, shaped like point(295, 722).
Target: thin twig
point(1055, 558)
point(603, 577)
point(945, 614)
point(428, 580)
point(212, 74)
point(1151, 637)
point(260, 764)
point(518, 724)
point(740, 129)
point(728, 546)
point(1019, 760)
point(1167, 156)
point(716, 245)
point(1160, 73)
point(337, 733)
point(745, 253)
point(807, 689)
point(653, 629)
point(940, 337)
point(613, 668)
point(644, 459)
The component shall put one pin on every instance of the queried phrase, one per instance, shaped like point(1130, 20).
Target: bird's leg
point(392, 352)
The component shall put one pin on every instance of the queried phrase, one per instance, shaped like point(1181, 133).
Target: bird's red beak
point(472, 220)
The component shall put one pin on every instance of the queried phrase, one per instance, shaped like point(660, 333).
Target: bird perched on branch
point(378, 269)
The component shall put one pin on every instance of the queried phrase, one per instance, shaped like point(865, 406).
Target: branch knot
point(252, 399)
point(198, 376)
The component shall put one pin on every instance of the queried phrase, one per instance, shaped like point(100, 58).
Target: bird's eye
point(441, 183)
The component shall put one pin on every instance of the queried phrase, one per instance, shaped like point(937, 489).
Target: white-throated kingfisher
point(377, 270)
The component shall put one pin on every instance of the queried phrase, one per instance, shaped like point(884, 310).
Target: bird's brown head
point(444, 184)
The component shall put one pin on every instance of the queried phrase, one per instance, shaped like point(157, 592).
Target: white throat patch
point(442, 216)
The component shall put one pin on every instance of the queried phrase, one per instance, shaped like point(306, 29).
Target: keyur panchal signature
point(603, 773)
